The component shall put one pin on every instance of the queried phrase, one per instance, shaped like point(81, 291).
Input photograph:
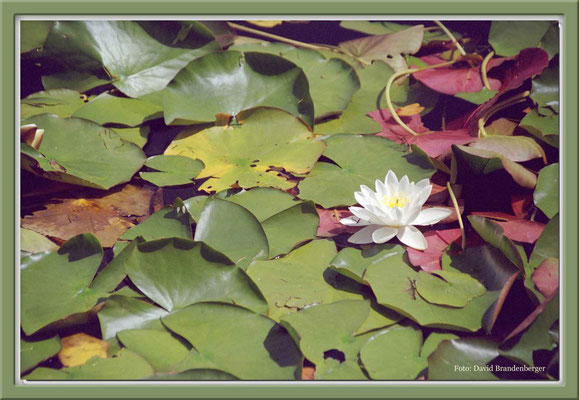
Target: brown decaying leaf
point(330, 222)
point(106, 216)
point(79, 348)
point(438, 241)
point(308, 373)
point(546, 276)
point(514, 227)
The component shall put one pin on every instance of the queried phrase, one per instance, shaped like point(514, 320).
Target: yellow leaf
point(266, 24)
point(410, 109)
point(79, 348)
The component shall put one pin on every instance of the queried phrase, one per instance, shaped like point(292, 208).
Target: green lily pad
point(393, 283)
point(547, 246)
point(46, 374)
point(238, 341)
point(121, 313)
point(352, 262)
point(232, 230)
point(394, 354)
point(176, 273)
point(449, 288)
point(138, 136)
point(545, 90)
point(199, 374)
point(515, 148)
point(173, 170)
point(550, 42)
point(161, 349)
point(61, 102)
point(168, 222)
point(317, 329)
point(433, 341)
point(33, 353)
point(493, 234)
point(544, 126)
point(253, 153)
point(34, 242)
point(333, 185)
point(261, 80)
point(480, 97)
point(125, 365)
point(332, 81)
point(378, 318)
point(114, 272)
point(297, 280)
point(510, 37)
point(536, 337)
point(33, 34)
point(546, 194)
point(264, 202)
point(107, 109)
point(81, 152)
point(334, 370)
point(354, 119)
point(462, 359)
point(82, 55)
point(57, 285)
point(290, 227)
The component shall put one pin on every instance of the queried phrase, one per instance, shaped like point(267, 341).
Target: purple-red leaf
point(546, 276)
point(438, 241)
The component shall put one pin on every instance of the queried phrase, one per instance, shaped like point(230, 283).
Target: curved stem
point(389, 85)
point(275, 37)
point(451, 37)
point(498, 107)
point(481, 127)
point(457, 209)
point(483, 70)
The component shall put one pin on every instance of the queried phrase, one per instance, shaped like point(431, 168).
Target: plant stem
point(460, 224)
point(498, 107)
point(451, 37)
point(275, 37)
point(483, 70)
point(389, 85)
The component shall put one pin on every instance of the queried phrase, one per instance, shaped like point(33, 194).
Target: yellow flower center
point(395, 201)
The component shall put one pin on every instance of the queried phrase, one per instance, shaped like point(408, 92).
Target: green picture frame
point(11, 388)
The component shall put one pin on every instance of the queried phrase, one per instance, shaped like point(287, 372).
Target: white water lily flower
point(392, 210)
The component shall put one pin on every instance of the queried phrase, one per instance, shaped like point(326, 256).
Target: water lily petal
point(423, 183)
point(384, 234)
point(424, 194)
point(411, 237)
point(404, 187)
point(391, 183)
point(354, 221)
point(364, 235)
point(364, 215)
point(431, 216)
point(381, 190)
point(411, 211)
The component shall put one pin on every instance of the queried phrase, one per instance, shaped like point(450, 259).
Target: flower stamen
point(395, 201)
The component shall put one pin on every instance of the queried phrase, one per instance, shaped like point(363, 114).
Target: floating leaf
point(449, 288)
point(382, 27)
point(262, 80)
point(546, 276)
point(107, 109)
point(550, 42)
point(318, 332)
point(77, 349)
point(33, 242)
point(330, 224)
point(173, 170)
point(334, 370)
point(121, 313)
point(332, 81)
point(61, 102)
point(81, 152)
point(333, 185)
point(168, 222)
point(543, 127)
point(232, 230)
point(354, 119)
point(393, 283)
point(264, 203)
point(290, 227)
point(33, 34)
point(493, 234)
point(510, 37)
point(515, 148)
point(176, 273)
point(253, 154)
point(107, 216)
point(389, 47)
point(160, 348)
point(394, 354)
point(238, 341)
point(57, 285)
point(33, 353)
point(537, 336)
point(545, 91)
point(82, 55)
point(546, 194)
point(463, 359)
point(296, 280)
point(547, 245)
point(437, 242)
